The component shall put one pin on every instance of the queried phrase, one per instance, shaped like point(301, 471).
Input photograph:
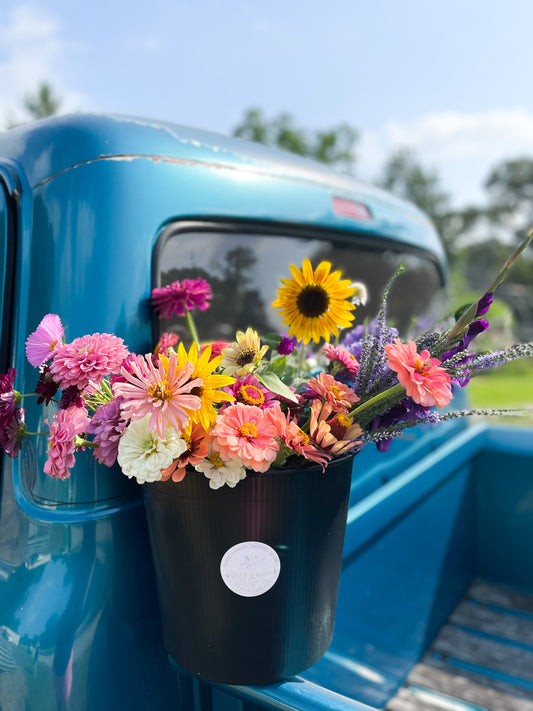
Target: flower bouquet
point(247, 450)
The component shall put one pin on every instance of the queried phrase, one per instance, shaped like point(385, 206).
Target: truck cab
point(96, 211)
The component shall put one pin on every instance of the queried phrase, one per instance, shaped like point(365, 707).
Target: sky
point(451, 80)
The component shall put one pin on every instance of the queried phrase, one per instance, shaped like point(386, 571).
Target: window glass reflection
point(245, 270)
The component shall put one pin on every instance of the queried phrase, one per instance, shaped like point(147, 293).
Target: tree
point(43, 102)
point(405, 177)
point(510, 189)
point(334, 147)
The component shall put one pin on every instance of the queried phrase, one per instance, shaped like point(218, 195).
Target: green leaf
point(461, 310)
point(276, 366)
point(272, 340)
point(271, 381)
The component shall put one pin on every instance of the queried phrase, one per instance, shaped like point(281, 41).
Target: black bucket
point(248, 577)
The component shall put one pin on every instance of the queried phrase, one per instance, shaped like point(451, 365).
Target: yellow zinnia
point(209, 393)
point(315, 304)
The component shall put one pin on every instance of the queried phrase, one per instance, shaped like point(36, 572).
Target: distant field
point(510, 386)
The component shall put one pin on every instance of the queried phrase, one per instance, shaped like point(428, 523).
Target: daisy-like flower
point(294, 438)
point(244, 432)
point(89, 358)
point(337, 394)
point(244, 354)
point(343, 364)
point(421, 376)
point(315, 303)
point(220, 472)
point(209, 391)
point(360, 296)
point(248, 390)
point(162, 391)
point(332, 434)
point(107, 426)
point(143, 454)
point(45, 341)
point(196, 440)
point(64, 428)
point(180, 296)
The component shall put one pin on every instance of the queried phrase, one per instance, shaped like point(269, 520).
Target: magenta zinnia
point(180, 296)
point(162, 391)
point(87, 359)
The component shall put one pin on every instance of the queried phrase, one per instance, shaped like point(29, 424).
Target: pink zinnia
point(86, 359)
point(180, 296)
point(166, 342)
point(45, 341)
point(216, 348)
point(340, 359)
point(62, 441)
point(339, 395)
point(422, 377)
point(244, 432)
point(107, 426)
point(161, 391)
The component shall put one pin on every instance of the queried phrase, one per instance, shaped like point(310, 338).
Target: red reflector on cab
point(350, 208)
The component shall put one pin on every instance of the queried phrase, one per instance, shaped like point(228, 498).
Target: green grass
point(510, 386)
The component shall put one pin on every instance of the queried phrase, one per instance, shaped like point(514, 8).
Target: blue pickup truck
point(435, 607)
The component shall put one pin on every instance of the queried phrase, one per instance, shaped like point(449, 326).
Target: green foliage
point(43, 103)
point(333, 147)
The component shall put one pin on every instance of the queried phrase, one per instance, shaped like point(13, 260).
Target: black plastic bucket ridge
point(248, 577)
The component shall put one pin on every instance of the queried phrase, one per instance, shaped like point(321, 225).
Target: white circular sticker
point(250, 568)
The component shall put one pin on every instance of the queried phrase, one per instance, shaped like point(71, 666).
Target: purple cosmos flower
point(180, 296)
point(45, 340)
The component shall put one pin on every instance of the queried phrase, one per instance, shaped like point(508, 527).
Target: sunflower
point(244, 354)
point(209, 393)
point(315, 304)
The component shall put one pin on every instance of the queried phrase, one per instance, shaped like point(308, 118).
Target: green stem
point(470, 313)
point(192, 327)
point(301, 358)
point(391, 392)
point(37, 434)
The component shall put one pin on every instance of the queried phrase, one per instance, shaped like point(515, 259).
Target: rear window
point(244, 269)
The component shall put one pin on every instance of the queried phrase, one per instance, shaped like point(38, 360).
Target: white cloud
point(461, 147)
point(32, 51)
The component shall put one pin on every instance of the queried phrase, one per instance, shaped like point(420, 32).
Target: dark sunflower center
point(198, 391)
point(312, 301)
point(245, 356)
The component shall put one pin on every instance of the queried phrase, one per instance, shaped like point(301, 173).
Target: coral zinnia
point(315, 303)
point(164, 392)
point(86, 359)
point(421, 376)
point(340, 396)
point(196, 440)
point(180, 296)
point(246, 433)
point(244, 354)
point(208, 392)
point(336, 435)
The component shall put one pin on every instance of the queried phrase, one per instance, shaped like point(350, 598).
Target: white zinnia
point(220, 472)
point(142, 454)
